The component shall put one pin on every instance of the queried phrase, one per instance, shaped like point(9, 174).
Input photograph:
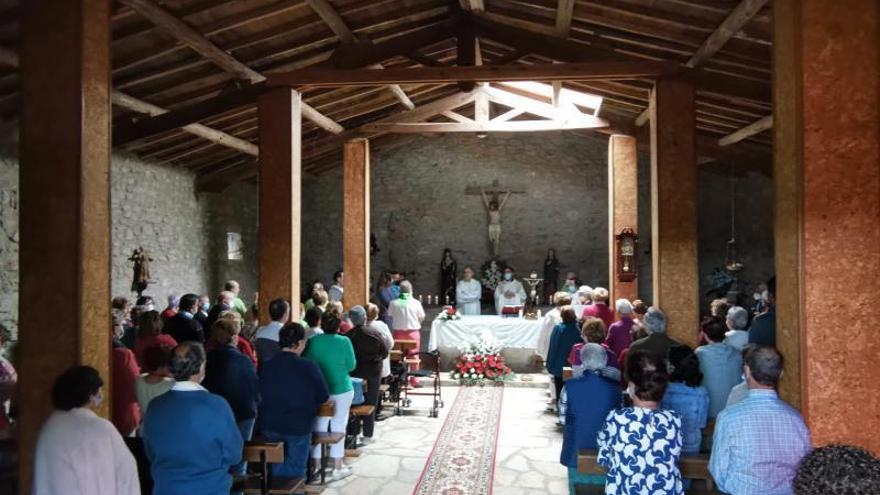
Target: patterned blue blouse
point(640, 449)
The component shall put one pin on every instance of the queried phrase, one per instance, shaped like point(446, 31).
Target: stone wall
point(153, 206)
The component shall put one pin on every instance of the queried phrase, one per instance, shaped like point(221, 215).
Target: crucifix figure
point(494, 198)
point(493, 208)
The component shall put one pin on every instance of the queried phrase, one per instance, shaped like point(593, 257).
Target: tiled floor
point(527, 459)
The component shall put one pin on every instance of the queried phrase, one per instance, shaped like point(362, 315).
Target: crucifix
point(494, 204)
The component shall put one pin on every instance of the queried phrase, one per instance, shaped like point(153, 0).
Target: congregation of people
point(641, 401)
point(193, 382)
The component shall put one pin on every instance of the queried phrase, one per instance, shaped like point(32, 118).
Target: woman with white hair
point(599, 308)
point(591, 395)
point(581, 299)
point(737, 320)
point(620, 332)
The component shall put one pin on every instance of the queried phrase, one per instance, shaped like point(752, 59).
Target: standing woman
point(639, 446)
point(78, 452)
point(384, 295)
point(565, 335)
point(334, 354)
point(551, 274)
point(448, 272)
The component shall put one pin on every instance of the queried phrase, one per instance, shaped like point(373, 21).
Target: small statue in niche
point(448, 273)
point(141, 276)
point(551, 274)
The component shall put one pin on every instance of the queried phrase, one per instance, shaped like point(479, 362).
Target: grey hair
point(593, 356)
point(737, 318)
point(623, 306)
point(654, 320)
point(406, 287)
point(186, 360)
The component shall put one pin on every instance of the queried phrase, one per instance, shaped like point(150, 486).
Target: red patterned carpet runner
point(463, 459)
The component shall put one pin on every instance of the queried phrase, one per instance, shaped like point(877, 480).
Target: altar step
point(520, 380)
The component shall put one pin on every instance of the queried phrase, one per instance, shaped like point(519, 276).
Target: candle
point(447, 299)
point(537, 300)
point(437, 300)
point(420, 298)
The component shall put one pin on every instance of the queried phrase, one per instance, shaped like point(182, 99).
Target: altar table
point(517, 337)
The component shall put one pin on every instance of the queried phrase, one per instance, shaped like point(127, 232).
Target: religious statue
point(141, 276)
point(494, 207)
point(448, 272)
point(551, 274)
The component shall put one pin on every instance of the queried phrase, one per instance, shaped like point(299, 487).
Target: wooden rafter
point(472, 5)
point(487, 73)
point(190, 37)
point(337, 24)
point(738, 17)
point(564, 13)
point(747, 131)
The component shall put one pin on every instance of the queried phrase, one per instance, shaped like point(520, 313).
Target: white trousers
point(337, 424)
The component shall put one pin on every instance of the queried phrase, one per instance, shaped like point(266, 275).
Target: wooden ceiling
point(202, 62)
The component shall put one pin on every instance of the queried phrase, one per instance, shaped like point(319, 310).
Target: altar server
point(468, 292)
point(509, 292)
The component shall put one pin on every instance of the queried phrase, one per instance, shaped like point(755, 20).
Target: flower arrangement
point(449, 313)
point(480, 363)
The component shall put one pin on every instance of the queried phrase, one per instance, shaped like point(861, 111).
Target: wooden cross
point(494, 190)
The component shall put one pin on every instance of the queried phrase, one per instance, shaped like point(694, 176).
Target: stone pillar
point(356, 222)
point(623, 207)
point(64, 312)
point(280, 120)
point(827, 174)
point(674, 206)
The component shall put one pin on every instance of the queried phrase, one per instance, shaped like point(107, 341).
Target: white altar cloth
point(509, 333)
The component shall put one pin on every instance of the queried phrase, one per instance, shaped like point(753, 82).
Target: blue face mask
point(206, 306)
point(508, 276)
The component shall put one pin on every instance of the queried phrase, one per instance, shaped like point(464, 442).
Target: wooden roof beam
point(732, 24)
point(564, 14)
point(337, 24)
point(203, 131)
point(190, 37)
point(747, 131)
point(318, 77)
point(472, 5)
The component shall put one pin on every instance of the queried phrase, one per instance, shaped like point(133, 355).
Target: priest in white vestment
point(468, 293)
point(509, 292)
point(78, 452)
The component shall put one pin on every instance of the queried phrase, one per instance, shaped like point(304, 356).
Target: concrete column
point(64, 312)
point(280, 120)
point(623, 208)
point(674, 206)
point(827, 174)
point(356, 222)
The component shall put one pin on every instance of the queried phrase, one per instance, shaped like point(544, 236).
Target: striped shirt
point(758, 445)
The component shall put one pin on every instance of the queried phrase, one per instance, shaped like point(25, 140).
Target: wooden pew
point(262, 454)
point(695, 467)
point(325, 440)
point(567, 373)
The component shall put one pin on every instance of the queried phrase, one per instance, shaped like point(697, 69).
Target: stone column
point(356, 222)
point(827, 174)
point(280, 120)
point(64, 312)
point(623, 207)
point(674, 206)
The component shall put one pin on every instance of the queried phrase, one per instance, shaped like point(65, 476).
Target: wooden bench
point(325, 440)
point(327, 409)
point(395, 355)
point(567, 373)
point(694, 467)
point(262, 454)
point(362, 410)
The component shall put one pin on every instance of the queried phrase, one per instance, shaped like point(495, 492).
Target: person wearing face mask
point(201, 315)
point(78, 452)
point(571, 283)
point(509, 292)
point(190, 435)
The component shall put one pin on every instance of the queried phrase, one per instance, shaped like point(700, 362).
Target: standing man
point(266, 342)
point(201, 315)
point(237, 304)
point(183, 326)
point(509, 292)
point(468, 293)
point(760, 441)
point(336, 292)
point(292, 390)
point(407, 315)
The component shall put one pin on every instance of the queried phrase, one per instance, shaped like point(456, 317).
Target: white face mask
point(97, 399)
point(631, 390)
point(508, 276)
point(756, 296)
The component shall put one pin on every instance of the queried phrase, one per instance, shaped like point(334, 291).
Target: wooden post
point(623, 207)
point(280, 121)
point(674, 206)
point(827, 176)
point(356, 222)
point(64, 312)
